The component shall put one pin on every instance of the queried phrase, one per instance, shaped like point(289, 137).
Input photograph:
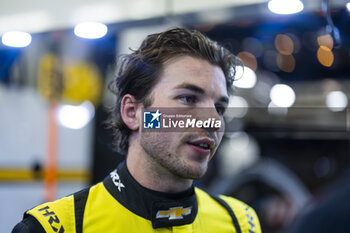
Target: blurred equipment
point(329, 214)
point(275, 192)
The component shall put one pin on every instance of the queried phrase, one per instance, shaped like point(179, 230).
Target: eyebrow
point(198, 90)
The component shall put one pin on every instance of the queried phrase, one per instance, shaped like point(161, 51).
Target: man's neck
point(151, 175)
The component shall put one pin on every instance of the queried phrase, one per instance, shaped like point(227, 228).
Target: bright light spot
point(285, 62)
point(248, 60)
point(246, 78)
point(325, 56)
point(76, 116)
point(90, 30)
point(325, 40)
point(285, 7)
point(275, 110)
point(16, 39)
point(282, 95)
point(336, 101)
point(284, 44)
point(348, 6)
point(238, 107)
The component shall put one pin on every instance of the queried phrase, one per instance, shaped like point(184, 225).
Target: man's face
point(192, 83)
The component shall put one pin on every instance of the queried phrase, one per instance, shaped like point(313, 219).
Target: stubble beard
point(161, 152)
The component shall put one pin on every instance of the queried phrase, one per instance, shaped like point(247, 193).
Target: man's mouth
point(203, 145)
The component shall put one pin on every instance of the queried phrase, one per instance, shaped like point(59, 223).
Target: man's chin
point(194, 171)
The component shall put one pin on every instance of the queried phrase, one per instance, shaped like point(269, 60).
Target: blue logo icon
point(151, 120)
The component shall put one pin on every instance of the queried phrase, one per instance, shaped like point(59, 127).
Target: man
point(152, 191)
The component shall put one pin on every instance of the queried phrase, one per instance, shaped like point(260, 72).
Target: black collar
point(163, 209)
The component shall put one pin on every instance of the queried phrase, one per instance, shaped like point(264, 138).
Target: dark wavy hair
point(138, 72)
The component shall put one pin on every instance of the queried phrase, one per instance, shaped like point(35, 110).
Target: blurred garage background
point(287, 141)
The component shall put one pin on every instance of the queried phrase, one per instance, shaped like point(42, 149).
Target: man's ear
point(128, 111)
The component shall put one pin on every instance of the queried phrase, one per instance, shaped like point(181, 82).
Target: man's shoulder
point(58, 215)
point(28, 225)
point(49, 215)
point(243, 214)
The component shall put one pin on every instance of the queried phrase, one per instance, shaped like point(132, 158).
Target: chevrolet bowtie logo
point(174, 213)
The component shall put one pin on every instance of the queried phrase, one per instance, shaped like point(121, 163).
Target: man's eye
point(188, 99)
point(220, 109)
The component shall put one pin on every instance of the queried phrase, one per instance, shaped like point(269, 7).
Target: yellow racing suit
point(120, 204)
